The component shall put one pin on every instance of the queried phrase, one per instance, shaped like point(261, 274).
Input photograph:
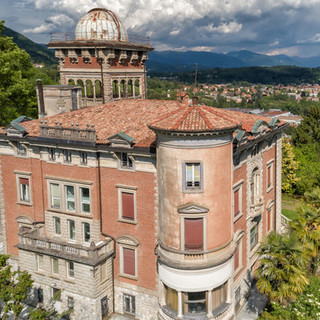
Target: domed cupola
point(101, 24)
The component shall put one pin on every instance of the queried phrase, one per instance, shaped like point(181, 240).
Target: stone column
point(209, 306)
point(180, 314)
point(3, 242)
point(278, 164)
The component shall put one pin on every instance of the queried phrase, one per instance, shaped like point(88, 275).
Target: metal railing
point(98, 36)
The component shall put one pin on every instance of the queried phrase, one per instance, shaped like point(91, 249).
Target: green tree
point(289, 168)
point(14, 290)
point(307, 229)
point(16, 96)
point(281, 273)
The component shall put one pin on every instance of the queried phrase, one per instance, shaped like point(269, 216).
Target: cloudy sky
point(289, 27)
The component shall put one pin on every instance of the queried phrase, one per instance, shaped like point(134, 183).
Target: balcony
point(34, 240)
point(257, 208)
point(195, 259)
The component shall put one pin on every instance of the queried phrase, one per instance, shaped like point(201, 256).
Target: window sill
point(269, 188)
point(237, 217)
point(40, 272)
point(82, 215)
point(126, 169)
point(193, 190)
point(24, 203)
point(128, 276)
point(70, 280)
point(55, 276)
point(127, 221)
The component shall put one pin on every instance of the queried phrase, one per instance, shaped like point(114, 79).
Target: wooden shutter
point(193, 229)
point(127, 205)
point(129, 261)
point(236, 202)
point(24, 181)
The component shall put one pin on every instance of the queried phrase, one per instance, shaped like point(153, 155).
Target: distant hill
point(168, 61)
point(39, 53)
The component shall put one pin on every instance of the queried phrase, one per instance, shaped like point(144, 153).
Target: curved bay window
point(203, 303)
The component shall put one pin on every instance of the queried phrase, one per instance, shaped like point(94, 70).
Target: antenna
point(195, 77)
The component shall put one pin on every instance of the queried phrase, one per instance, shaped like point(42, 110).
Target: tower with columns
point(102, 59)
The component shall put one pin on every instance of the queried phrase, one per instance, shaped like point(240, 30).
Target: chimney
point(41, 108)
point(195, 101)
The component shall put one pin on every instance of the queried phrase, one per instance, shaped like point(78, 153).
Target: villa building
point(149, 208)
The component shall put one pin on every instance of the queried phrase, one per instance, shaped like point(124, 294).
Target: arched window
point(98, 88)
point(80, 83)
point(130, 88)
point(89, 89)
point(115, 89)
point(123, 89)
point(71, 82)
point(137, 88)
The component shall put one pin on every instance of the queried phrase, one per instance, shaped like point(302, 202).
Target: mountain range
point(171, 61)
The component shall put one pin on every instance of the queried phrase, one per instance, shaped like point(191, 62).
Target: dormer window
point(125, 160)
point(52, 154)
point(20, 149)
point(84, 157)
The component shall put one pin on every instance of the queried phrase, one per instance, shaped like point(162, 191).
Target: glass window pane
point(188, 172)
point(85, 194)
point(70, 192)
point(55, 190)
point(72, 230)
point(197, 172)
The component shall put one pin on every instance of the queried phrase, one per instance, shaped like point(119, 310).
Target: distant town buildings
point(146, 208)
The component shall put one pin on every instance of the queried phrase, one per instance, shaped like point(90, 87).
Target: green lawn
point(289, 205)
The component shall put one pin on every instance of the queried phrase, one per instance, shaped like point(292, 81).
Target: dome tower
point(102, 59)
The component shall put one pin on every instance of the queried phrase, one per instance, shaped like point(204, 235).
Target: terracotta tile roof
point(133, 117)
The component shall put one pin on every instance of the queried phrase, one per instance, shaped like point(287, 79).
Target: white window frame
point(23, 175)
point(127, 189)
point(122, 274)
point(70, 239)
point(67, 156)
point(192, 189)
point(52, 265)
point(52, 198)
point(84, 234)
point(257, 192)
point(132, 299)
point(270, 164)
point(83, 157)
point(63, 184)
point(66, 186)
point(55, 224)
point(252, 247)
point(40, 264)
point(70, 271)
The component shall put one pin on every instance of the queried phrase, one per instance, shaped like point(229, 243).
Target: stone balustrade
point(32, 240)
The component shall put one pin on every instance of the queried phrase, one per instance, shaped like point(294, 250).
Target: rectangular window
point(67, 155)
point(70, 200)
point(24, 189)
point(70, 303)
point(171, 298)
point(127, 202)
point(253, 236)
point(219, 296)
point(55, 265)
point(39, 293)
point(192, 176)
point(129, 304)
point(269, 219)
point(86, 232)
point(269, 176)
point(195, 303)
point(72, 230)
point(40, 263)
point(237, 258)
point(57, 225)
point(85, 200)
point(70, 267)
point(56, 294)
point(129, 261)
point(55, 195)
point(193, 234)
point(83, 157)
point(52, 154)
point(125, 160)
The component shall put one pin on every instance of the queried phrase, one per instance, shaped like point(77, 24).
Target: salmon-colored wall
point(216, 194)
point(145, 229)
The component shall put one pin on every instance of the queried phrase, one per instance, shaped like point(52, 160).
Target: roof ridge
point(168, 114)
point(204, 118)
point(179, 122)
point(220, 114)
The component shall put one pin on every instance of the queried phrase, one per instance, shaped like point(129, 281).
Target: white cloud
point(231, 27)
